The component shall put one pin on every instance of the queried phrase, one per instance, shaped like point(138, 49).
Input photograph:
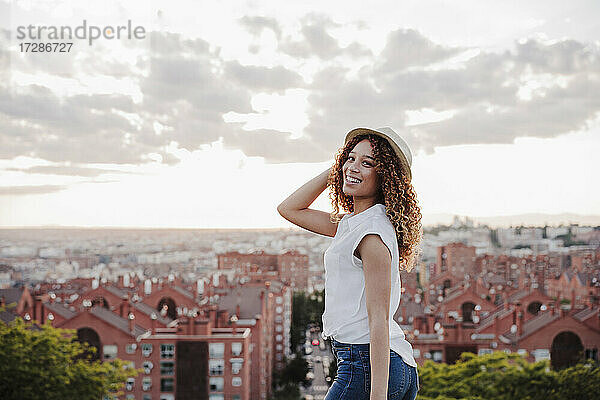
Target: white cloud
point(284, 113)
point(426, 115)
point(220, 93)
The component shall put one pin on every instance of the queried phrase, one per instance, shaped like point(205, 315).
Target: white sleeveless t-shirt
point(345, 317)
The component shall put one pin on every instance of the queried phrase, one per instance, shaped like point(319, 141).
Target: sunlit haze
point(225, 108)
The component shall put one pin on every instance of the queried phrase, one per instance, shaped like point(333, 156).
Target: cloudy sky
point(225, 108)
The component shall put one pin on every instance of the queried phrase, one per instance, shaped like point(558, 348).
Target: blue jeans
point(353, 379)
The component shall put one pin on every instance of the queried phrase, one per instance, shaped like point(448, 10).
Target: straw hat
point(398, 144)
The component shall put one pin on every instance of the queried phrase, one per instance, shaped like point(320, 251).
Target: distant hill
point(531, 219)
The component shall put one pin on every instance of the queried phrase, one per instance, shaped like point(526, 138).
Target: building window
point(166, 384)
point(147, 397)
point(278, 300)
point(109, 351)
point(236, 381)
point(278, 309)
point(279, 357)
point(167, 350)
point(216, 397)
point(216, 384)
point(167, 367)
point(130, 348)
point(481, 352)
point(216, 367)
point(146, 383)
point(167, 397)
point(541, 354)
point(591, 353)
point(279, 347)
point(279, 328)
point(130, 397)
point(236, 366)
point(416, 353)
point(146, 349)
point(279, 338)
point(278, 319)
point(148, 367)
point(216, 350)
point(129, 365)
point(236, 348)
point(130, 384)
point(236, 397)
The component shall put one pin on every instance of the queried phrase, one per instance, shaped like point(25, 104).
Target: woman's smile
point(350, 180)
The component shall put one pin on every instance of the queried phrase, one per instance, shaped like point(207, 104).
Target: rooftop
point(60, 309)
point(116, 321)
point(146, 309)
point(11, 295)
point(531, 326)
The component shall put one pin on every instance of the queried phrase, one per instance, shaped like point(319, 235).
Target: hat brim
point(367, 131)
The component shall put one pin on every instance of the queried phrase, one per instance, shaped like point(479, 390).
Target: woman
point(371, 180)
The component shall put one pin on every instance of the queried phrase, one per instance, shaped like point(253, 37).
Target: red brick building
point(16, 301)
point(530, 324)
point(569, 282)
point(290, 267)
point(505, 303)
point(222, 342)
point(456, 258)
point(192, 360)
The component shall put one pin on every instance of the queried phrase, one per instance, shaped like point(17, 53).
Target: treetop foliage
point(48, 363)
point(502, 376)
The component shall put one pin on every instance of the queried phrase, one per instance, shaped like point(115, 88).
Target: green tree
point(581, 381)
point(289, 391)
point(48, 363)
point(286, 382)
point(501, 376)
point(306, 309)
point(494, 238)
point(568, 239)
point(295, 371)
point(299, 320)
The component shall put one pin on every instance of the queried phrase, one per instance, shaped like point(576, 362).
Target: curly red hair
point(395, 191)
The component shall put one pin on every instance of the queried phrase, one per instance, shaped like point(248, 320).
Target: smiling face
point(360, 178)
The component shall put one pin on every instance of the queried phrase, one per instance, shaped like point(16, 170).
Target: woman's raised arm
point(295, 207)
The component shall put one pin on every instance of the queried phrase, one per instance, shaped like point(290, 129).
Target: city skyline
point(220, 114)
